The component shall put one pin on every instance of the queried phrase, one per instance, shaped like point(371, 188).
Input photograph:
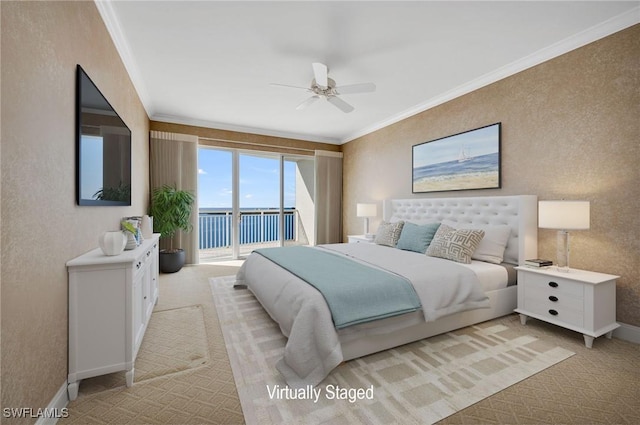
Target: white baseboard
point(628, 333)
point(56, 408)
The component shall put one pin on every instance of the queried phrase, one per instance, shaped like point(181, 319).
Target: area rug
point(175, 341)
point(418, 383)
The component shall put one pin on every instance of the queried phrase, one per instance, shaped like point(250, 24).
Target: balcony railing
point(256, 226)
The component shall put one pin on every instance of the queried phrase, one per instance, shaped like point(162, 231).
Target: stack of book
point(537, 262)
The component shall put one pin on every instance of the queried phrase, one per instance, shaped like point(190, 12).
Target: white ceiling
point(209, 63)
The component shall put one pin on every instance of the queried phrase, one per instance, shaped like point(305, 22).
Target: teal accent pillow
point(417, 237)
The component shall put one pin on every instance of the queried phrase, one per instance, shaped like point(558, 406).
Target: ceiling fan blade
point(288, 86)
point(340, 104)
point(356, 88)
point(307, 102)
point(320, 72)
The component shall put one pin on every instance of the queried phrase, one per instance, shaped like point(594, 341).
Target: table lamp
point(366, 211)
point(564, 216)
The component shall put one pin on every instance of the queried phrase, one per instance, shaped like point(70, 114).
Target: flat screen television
point(103, 148)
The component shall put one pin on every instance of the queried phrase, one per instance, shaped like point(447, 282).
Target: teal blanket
point(355, 293)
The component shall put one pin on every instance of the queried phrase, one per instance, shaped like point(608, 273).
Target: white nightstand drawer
point(569, 311)
point(537, 293)
point(549, 285)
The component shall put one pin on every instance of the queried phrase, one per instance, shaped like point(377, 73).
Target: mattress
point(492, 277)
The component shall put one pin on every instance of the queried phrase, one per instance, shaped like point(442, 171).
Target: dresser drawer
point(139, 264)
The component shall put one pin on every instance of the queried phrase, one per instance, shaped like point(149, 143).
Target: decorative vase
point(112, 243)
point(130, 241)
point(147, 229)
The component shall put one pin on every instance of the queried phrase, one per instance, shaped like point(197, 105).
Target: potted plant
point(171, 211)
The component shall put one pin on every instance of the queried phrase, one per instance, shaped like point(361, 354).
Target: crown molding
point(597, 32)
point(110, 20)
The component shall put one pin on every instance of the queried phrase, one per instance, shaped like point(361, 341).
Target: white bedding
point(313, 346)
point(491, 276)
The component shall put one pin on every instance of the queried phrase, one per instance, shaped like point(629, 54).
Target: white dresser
point(579, 300)
point(111, 299)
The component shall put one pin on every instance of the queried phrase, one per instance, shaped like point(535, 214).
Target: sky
point(259, 180)
point(475, 143)
point(91, 178)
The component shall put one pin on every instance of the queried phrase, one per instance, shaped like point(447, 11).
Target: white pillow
point(492, 245)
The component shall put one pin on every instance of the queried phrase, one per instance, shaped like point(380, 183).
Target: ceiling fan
point(324, 87)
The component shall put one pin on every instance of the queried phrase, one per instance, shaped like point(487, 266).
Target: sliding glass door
point(215, 203)
point(259, 202)
point(251, 199)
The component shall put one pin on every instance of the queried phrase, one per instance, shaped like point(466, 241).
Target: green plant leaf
point(128, 227)
point(171, 211)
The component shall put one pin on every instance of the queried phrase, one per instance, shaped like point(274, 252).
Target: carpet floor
point(594, 386)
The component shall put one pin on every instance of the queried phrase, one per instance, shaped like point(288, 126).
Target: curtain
point(174, 162)
point(328, 197)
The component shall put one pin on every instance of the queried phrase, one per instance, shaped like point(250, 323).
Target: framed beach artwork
point(464, 161)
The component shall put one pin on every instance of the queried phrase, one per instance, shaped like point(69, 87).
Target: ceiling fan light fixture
point(324, 87)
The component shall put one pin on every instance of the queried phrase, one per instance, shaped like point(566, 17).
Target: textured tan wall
point(42, 228)
point(570, 129)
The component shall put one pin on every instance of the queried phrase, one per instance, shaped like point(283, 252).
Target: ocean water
point(478, 164)
point(214, 226)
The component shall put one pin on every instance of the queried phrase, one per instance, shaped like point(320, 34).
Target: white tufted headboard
point(519, 212)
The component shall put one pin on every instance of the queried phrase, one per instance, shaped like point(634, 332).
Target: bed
point(483, 290)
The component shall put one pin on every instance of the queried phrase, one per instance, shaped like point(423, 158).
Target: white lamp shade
point(366, 210)
point(564, 215)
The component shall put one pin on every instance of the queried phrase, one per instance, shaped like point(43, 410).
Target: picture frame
point(469, 160)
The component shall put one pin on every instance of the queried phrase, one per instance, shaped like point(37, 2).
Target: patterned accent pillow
point(389, 233)
point(416, 238)
point(455, 244)
point(491, 248)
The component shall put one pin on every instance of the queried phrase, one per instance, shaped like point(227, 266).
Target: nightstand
point(360, 239)
point(579, 300)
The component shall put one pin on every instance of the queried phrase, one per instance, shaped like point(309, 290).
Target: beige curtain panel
point(174, 162)
point(328, 197)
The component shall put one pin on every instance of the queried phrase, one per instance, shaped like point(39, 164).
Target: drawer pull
point(553, 298)
point(553, 312)
point(553, 284)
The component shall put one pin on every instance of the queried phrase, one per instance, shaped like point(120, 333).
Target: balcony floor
point(213, 255)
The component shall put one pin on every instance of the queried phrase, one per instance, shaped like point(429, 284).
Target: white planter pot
point(112, 243)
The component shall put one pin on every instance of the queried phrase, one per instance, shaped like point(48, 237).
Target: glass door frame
point(237, 214)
